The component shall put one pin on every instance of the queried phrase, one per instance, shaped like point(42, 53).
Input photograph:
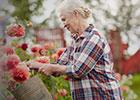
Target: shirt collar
point(86, 32)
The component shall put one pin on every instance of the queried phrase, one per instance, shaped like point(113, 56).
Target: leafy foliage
point(24, 9)
point(22, 54)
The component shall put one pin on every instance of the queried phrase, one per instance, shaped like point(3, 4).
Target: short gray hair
point(69, 6)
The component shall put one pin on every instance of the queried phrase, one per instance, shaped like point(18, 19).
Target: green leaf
point(23, 54)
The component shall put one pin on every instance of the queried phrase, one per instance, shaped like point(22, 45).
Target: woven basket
point(32, 89)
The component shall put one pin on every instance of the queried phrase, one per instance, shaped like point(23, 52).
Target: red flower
point(43, 59)
point(12, 61)
point(60, 51)
point(15, 30)
point(35, 48)
point(6, 50)
point(55, 97)
point(20, 31)
point(20, 73)
point(42, 51)
point(9, 51)
point(24, 46)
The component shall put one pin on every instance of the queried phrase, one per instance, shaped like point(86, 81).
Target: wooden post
point(116, 50)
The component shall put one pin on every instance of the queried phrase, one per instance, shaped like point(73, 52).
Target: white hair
point(69, 6)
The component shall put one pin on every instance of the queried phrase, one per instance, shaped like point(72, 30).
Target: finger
point(41, 69)
point(28, 63)
point(35, 65)
point(56, 74)
point(44, 71)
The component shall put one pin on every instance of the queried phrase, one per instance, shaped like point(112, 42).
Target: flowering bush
point(125, 82)
point(13, 71)
point(58, 86)
point(13, 63)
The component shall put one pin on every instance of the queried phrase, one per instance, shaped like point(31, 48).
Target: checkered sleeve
point(91, 52)
point(64, 58)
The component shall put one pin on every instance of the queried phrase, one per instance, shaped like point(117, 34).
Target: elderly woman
point(88, 61)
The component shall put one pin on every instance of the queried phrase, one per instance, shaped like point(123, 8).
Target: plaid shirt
point(89, 67)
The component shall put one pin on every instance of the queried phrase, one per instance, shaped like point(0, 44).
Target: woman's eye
point(63, 19)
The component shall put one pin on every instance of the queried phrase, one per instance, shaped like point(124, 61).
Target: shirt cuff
point(69, 70)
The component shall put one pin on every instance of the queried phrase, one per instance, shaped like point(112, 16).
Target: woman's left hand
point(47, 69)
point(52, 69)
point(34, 64)
point(40, 67)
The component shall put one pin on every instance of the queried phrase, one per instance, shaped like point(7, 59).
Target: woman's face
point(70, 22)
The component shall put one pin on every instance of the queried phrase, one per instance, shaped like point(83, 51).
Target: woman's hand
point(53, 69)
point(48, 69)
point(34, 65)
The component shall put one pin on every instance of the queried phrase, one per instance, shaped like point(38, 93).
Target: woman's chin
point(69, 29)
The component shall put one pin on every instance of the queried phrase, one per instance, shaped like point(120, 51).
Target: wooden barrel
point(32, 89)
